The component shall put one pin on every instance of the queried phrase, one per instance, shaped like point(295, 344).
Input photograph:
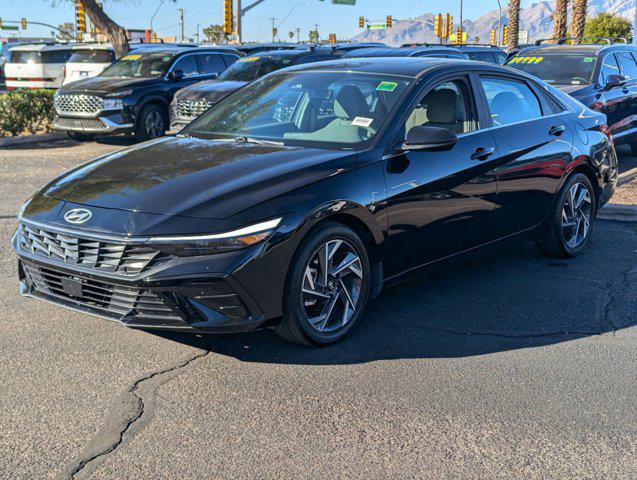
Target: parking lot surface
point(512, 365)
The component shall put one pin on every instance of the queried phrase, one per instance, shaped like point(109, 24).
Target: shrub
point(26, 111)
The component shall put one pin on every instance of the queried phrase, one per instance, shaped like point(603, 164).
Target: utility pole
point(181, 22)
point(273, 19)
point(461, 19)
point(298, 34)
point(635, 29)
point(198, 33)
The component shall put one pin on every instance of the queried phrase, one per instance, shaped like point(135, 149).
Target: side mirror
point(176, 75)
point(421, 138)
point(614, 81)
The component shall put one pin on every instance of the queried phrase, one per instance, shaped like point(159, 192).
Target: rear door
point(440, 201)
point(534, 147)
point(612, 99)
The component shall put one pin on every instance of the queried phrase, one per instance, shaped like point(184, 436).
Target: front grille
point(115, 301)
point(83, 123)
point(192, 109)
point(111, 257)
point(78, 104)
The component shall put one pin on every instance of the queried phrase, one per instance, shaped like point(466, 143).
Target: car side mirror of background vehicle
point(421, 138)
point(176, 75)
point(614, 81)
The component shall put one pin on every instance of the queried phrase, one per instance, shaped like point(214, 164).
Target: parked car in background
point(37, 66)
point(422, 51)
point(258, 215)
point(602, 77)
point(481, 53)
point(192, 101)
point(134, 93)
point(250, 48)
point(88, 61)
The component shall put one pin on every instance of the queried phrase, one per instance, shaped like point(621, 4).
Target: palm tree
point(514, 24)
point(578, 22)
point(559, 19)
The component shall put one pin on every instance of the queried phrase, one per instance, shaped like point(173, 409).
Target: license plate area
point(72, 286)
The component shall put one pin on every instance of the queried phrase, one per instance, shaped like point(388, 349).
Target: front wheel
point(327, 287)
point(150, 124)
point(570, 223)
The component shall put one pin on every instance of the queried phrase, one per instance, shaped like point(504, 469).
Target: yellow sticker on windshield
point(249, 59)
point(132, 57)
point(526, 59)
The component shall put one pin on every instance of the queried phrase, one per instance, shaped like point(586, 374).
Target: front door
point(440, 201)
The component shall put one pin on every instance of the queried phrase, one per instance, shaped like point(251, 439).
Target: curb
point(12, 141)
point(619, 213)
point(627, 176)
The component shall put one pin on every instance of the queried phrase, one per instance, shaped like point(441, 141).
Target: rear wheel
point(81, 137)
point(327, 287)
point(151, 123)
point(570, 223)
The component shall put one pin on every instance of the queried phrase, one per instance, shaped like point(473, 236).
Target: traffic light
point(361, 22)
point(438, 25)
point(388, 21)
point(449, 25)
point(332, 38)
point(147, 35)
point(227, 16)
point(459, 36)
point(80, 17)
point(24, 24)
point(492, 40)
point(153, 38)
point(505, 34)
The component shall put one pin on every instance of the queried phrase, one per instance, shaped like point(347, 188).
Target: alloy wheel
point(331, 286)
point(154, 124)
point(576, 215)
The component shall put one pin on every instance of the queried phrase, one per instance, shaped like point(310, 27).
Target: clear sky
point(339, 19)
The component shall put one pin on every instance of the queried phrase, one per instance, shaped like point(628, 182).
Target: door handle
point(482, 153)
point(557, 130)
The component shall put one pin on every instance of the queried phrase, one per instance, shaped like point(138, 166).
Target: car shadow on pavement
point(511, 300)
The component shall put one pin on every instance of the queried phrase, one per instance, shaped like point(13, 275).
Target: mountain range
point(537, 19)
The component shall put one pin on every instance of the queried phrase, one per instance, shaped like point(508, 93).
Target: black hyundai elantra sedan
point(294, 200)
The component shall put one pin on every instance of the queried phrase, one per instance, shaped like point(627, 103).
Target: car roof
point(93, 46)
point(37, 47)
point(399, 66)
point(588, 49)
point(397, 52)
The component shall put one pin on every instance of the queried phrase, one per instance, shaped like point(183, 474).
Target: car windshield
point(250, 68)
point(557, 69)
point(91, 56)
point(323, 109)
point(25, 56)
point(145, 65)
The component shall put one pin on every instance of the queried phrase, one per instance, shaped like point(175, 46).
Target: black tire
point(295, 325)
point(553, 241)
point(151, 123)
point(81, 137)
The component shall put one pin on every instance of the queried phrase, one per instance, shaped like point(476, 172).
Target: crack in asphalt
point(130, 412)
point(612, 288)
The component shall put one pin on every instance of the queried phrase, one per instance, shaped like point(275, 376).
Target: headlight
point(113, 104)
point(189, 245)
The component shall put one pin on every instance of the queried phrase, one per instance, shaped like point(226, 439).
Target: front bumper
point(102, 124)
point(175, 294)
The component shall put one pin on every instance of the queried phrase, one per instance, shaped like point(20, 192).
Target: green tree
point(578, 20)
point(314, 36)
point(66, 27)
point(214, 34)
point(514, 24)
point(608, 25)
point(559, 19)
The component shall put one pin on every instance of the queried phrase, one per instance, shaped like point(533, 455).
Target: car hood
point(105, 84)
point(212, 91)
point(195, 178)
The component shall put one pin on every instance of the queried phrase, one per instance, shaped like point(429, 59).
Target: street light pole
point(161, 2)
point(499, 23)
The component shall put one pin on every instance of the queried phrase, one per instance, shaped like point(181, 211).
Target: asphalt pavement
point(512, 365)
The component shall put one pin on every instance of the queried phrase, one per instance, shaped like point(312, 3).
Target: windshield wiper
point(257, 141)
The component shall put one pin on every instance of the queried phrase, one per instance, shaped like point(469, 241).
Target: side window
point(500, 57)
point(187, 64)
point(229, 59)
point(510, 101)
point(609, 67)
point(448, 105)
point(553, 105)
point(211, 63)
point(627, 65)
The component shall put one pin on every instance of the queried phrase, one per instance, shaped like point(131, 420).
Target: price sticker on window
point(387, 86)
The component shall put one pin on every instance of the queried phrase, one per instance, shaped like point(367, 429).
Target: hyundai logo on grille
point(78, 215)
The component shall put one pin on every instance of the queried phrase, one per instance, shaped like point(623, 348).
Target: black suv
point(602, 77)
point(133, 94)
point(191, 102)
point(480, 53)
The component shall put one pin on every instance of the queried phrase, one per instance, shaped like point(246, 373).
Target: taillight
point(63, 72)
point(605, 129)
